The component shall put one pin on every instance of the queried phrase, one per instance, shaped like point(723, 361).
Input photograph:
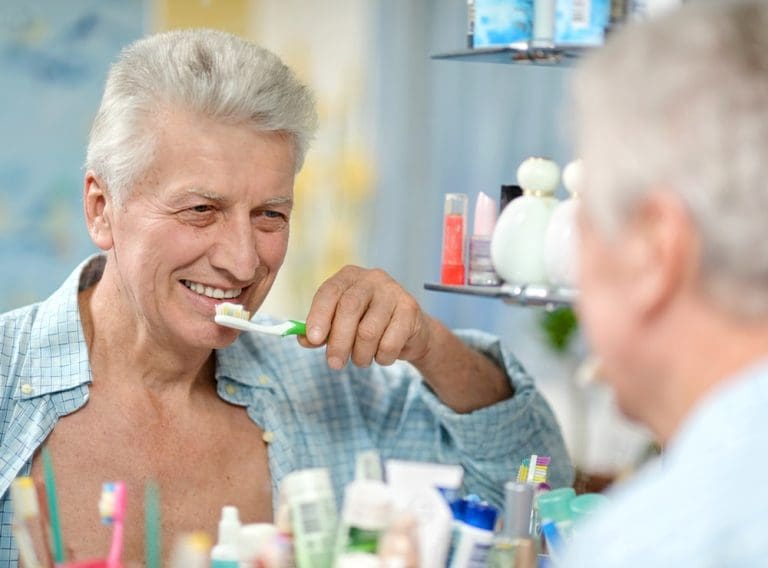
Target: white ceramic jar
point(561, 239)
point(517, 245)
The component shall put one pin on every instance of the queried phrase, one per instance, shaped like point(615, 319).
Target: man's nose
point(235, 249)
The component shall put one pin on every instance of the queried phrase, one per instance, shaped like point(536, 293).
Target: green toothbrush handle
point(298, 328)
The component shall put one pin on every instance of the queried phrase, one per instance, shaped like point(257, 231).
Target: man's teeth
point(217, 293)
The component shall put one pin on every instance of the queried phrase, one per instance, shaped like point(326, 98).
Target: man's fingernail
point(315, 334)
point(335, 363)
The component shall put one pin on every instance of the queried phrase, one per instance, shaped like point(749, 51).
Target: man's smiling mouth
point(216, 293)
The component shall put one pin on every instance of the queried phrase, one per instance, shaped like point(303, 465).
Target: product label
point(453, 239)
point(502, 22)
point(314, 524)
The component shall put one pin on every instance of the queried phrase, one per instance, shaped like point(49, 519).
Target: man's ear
point(665, 253)
point(98, 211)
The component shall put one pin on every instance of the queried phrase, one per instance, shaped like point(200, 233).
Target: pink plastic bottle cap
point(485, 215)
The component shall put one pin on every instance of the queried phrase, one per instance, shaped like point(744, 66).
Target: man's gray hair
point(209, 72)
point(681, 105)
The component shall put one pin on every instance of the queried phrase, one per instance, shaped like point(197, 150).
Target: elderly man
point(673, 127)
point(123, 373)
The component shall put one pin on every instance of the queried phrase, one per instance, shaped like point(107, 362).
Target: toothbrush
point(57, 542)
point(235, 316)
point(26, 523)
point(152, 525)
point(533, 469)
point(112, 512)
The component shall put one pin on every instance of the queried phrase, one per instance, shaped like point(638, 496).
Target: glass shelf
point(520, 295)
point(522, 53)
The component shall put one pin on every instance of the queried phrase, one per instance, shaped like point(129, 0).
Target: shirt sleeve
point(490, 443)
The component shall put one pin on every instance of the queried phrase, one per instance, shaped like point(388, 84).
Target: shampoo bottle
point(560, 242)
point(517, 244)
point(313, 516)
point(474, 536)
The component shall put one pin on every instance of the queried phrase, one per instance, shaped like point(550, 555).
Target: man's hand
point(364, 315)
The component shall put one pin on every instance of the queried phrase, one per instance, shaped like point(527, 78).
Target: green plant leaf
point(559, 327)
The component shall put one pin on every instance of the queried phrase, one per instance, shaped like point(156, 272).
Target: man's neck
point(714, 351)
point(120, 348)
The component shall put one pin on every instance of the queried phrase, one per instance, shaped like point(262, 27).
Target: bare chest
point(217, 458)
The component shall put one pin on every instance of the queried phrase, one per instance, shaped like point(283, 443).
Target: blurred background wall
point(398, 130)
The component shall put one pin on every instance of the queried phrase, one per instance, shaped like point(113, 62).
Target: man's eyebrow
point(206, 193)
point(217, 197)
point(277, 201)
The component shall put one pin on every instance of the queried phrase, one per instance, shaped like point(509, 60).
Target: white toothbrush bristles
point(233, 310)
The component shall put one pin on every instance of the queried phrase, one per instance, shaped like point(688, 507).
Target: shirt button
point(230, 389)
point(264, 379)
point(27, 389)
point(268, 437)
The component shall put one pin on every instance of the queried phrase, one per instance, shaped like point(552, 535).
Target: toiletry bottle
point(641, 10)
point(475, 536)
point(313, 516)
point(277, 551)
point(514, 546)
point(368, 466)
point(470, 24)
point(517, 245)
point(507, 193)
point(584, 506)
point(399, 547)
point(560, 241)
point(543, 23)
point(251, 542)
point(454, 235)
point(481, 272)
point(366, 513)
point(556, 518)
point(414, 485)
point(225, 553)
point(191, 550)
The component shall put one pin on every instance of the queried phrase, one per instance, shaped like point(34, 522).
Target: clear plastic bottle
point(225, 554)
point(309, 495)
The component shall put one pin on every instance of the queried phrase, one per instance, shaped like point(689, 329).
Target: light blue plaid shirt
point(704, 503)
point(312, 416)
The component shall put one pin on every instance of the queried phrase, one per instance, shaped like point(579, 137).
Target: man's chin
point(222, 341)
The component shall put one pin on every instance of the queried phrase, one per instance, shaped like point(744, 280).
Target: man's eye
point(201, 208)
point(274, 214)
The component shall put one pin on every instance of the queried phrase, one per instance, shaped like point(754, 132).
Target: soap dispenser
point(560, 242)
point(517, 245)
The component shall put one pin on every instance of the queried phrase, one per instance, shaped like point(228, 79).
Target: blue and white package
point(581, 22)
point(502, 22)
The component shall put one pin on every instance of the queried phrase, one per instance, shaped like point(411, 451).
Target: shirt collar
point(244, 361)
point(57, 357)
point(733, 400)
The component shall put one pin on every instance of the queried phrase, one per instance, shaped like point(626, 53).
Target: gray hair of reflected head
point(680, 104)
point(209, 72)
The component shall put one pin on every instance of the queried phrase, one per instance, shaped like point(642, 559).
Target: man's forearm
point(463, 378)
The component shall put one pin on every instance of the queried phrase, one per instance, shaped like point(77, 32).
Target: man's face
point(606, 310)
point(207, 223)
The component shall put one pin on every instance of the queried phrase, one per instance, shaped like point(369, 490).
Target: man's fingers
point(371, 329)
point(324, 305)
